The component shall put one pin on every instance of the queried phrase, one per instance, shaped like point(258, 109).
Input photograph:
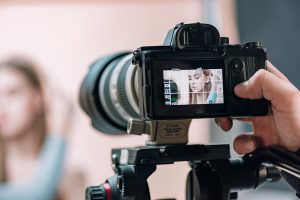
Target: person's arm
point(282, 125)
point(43, 185)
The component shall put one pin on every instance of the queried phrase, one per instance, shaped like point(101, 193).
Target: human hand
point(58, 112)
point(282, 125)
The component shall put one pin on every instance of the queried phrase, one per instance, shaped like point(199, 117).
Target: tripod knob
point(95, 193)
point(132, 181)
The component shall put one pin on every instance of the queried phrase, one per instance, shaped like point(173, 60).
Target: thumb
point(264, 84)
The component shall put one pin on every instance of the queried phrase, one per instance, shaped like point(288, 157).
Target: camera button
point(253, 45)
point(237, 65)
point(235, 46)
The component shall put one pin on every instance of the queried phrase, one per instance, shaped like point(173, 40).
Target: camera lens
point(108, 93)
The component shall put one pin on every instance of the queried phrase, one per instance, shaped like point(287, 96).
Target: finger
point(224, 123)
point(271, 68)
point(245, 144)
point(264, 84)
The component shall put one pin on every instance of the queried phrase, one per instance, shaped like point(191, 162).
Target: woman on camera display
point(196, 86)
point(202, 86)
point(33, 133)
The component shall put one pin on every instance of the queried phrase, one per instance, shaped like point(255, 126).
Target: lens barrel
point(108, 94)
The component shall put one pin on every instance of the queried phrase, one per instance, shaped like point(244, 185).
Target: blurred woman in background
point(33, 133)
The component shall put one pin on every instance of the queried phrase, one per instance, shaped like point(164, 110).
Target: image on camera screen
point(193, 86)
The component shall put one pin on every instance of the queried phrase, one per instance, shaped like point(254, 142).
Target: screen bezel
point(161, 111)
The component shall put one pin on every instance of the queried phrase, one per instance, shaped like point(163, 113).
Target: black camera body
point(194, 73)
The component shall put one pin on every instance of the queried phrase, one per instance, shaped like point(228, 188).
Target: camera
point(157, 90)
point(192, 75)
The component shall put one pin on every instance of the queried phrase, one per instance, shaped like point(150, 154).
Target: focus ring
point(122, 91)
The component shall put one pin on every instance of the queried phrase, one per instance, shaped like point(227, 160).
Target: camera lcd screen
point(193, 86)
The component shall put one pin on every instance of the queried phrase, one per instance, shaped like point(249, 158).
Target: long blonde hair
point(30, 72)
point(206, 89)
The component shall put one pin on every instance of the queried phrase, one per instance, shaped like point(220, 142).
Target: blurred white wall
point(64, 37)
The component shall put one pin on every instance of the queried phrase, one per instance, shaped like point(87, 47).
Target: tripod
point(213, 176)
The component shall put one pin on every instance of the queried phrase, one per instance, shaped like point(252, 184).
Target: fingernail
point(244, 144)
point(249, 144)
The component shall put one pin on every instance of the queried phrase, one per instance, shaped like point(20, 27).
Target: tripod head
point(213, 175)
